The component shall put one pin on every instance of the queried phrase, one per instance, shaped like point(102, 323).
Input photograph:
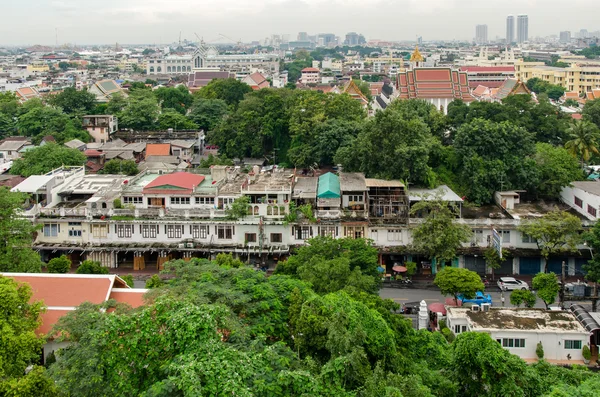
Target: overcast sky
point(160, 21)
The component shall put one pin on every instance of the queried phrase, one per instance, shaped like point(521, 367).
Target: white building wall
point(568, 195)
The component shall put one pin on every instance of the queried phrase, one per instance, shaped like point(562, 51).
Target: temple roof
point(416, 55)
point(433, 83)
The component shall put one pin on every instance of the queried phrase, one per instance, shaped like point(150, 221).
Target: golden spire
point(416, 55)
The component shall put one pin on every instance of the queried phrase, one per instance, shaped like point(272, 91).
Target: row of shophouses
point(143, 221)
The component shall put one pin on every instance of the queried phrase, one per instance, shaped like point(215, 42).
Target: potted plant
point(539, 351)
point(586, 353)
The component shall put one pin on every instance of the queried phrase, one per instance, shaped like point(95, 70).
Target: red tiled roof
point(93, 153)
point(480, 90)
point(310, 70)
point(576, 116)
point(488, 84)
point(158, 149)
point(62, 293)
point(177, 182)
point(487, 69)
point(133, 297)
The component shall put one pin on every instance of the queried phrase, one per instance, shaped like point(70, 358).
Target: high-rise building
point(420, 41)
point(522, 28)
point(584, 34)
point(353, 39)
point(302, 36)
point(326, 39)
point(510, 29)
point(565, 37)
point(481, 34)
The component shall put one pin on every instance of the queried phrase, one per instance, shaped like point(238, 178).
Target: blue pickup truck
point(478, 300)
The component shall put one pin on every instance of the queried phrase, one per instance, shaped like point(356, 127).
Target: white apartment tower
point(522, 28)
point(481, 34)
point(510, 29)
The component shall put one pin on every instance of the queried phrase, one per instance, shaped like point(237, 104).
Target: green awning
point(329, 186)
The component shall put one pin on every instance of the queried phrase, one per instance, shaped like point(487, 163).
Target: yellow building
point(38, 67)
point(579, 77)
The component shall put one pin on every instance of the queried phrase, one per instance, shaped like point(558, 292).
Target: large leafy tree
point(141, 111)
point(555, 232)
point(73, 101)
point(178, 98)
point(439, 236)
point(124, 167)
point(591, 112)
point(405, 145)
point(170, 118)
point(546, 287)
point(556, 168)
point(16, 234)
point(494, 156)
point(208, 113)
point(584, 138)
point(454, 281)
point(231, 91)
point(483, 368)
point(43, 159)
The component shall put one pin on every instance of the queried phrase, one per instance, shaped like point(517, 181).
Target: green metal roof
point(329, 186)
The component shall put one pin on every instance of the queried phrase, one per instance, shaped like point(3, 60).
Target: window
point(302, 232)
point(509, 342)
point(578, 202)
point(276, 238)
point(99, 231)
point(149, 231)
point(51, 229)
point(573, 344)
point(327, 231)
point(124, 231)
point(198, 231)
point(477, 236)
point(505, 234)
point(354, 231)
point(355, 198)
point(225, 232)
point(132, 200)
point(174, 231)
point(205, 200)
point(460, 328)
point(528, 239)
point(74, 229)
point(591, 210)
point(394, 235)
point(180, 201)
point(250, 237)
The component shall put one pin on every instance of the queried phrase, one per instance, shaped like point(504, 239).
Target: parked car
point(510, 283)
point(478, 300)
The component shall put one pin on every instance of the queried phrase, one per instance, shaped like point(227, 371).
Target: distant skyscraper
point(302, 36)
point(510, 29)
point(354, 39)
point(420, 41)
point(584, 34)
point(565, 37)
point(481, 34)
point(522, 28)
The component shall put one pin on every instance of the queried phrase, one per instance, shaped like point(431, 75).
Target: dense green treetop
point(546, 287)
point(455, 280)
point(123, 167)
point(231, 91)
point(43, 159)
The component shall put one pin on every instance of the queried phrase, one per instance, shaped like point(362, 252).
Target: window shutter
point(216, 229)
point(337, 231)
point(233, 230)
point(140, 229)
point(311, 231)
point(115, 228)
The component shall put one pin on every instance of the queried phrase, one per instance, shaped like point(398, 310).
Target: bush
point(448, 334)
point(117, 203)
point(128, 279)
point(586, 353)
point(91, 267)
point(62, 264)
point(411, 268)
point(518, 297)
point(228, 261)
point(539, 350)
point(154, 282)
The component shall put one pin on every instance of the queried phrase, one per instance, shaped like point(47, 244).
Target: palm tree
point(584, 139)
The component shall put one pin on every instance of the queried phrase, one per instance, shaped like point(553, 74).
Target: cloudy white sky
point(160, 21)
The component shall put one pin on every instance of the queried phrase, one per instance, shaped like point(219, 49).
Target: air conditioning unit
point(485, 307)
point(189, 245)
point(475, 308)
point(181, 245)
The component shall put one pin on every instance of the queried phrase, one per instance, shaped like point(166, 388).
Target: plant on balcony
point(117, 203)
point(307, 211)
point(238, 209)
point(292, 217)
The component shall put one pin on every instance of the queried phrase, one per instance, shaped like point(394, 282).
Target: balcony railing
point(329, 214)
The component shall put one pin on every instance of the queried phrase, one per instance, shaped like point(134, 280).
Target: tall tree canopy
point(231, 91)
point(43, 159)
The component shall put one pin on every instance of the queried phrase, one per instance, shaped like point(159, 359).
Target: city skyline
point(153, 21)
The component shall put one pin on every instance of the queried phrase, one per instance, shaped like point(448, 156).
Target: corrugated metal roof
point(329, 186)
point(371, 182)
